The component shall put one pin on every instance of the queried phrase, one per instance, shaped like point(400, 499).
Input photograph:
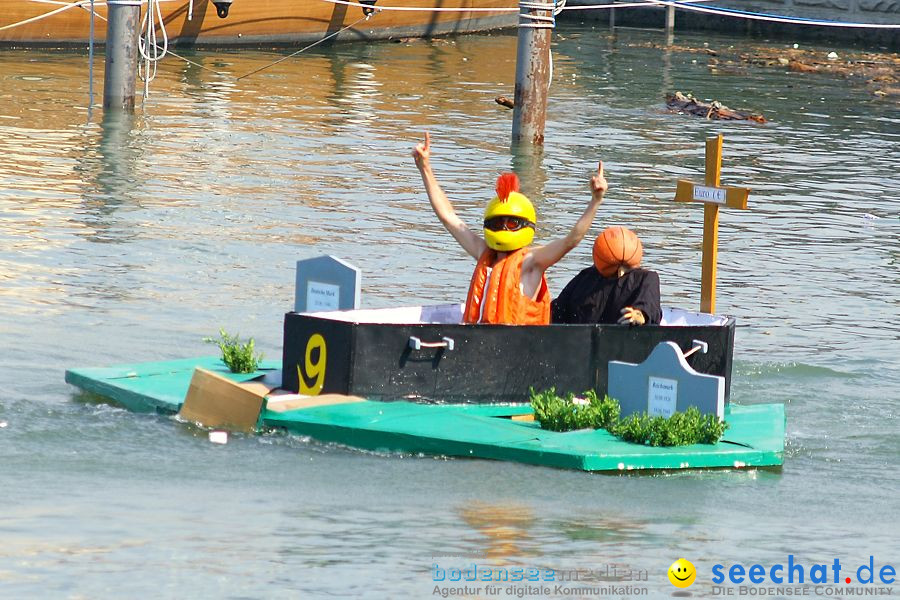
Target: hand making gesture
point(422, 152)
point(598, 182)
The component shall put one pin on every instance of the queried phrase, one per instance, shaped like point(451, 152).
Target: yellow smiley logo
point(682, 573)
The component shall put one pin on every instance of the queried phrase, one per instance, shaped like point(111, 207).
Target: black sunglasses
point(507, 223)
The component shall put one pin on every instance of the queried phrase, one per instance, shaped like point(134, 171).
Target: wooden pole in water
point(670, 24)
point(532, 72)
point(121, 54)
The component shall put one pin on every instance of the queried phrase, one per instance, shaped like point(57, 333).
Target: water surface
point(131, 240)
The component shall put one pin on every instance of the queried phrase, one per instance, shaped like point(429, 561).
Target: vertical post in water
point(536, 22)
point(670, 24)
point(121, 54)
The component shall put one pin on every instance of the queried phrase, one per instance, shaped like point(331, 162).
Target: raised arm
point(545, 256)
point(470, 241)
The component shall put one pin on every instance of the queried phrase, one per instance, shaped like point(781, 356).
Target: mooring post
point(536, 22)
point(121, 54)
point(670, 24)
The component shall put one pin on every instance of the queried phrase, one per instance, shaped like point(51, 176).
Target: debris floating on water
point(504, 101)
point(878, 70)
point(218, 437)
point(3, 424)
point(682, 103)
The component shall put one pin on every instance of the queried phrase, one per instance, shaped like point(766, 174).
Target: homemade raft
point(755, 436)
point(418, 379)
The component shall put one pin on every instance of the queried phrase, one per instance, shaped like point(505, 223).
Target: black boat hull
point(488, 363)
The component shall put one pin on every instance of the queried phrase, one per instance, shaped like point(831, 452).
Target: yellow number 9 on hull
point(314, 371)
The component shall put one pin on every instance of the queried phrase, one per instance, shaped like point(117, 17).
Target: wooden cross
point(712, 195)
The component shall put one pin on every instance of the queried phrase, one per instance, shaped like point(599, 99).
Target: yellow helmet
point(509, 218)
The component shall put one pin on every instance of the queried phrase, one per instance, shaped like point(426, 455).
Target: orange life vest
point(504, 302)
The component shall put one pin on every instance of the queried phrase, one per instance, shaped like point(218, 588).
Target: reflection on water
point(503, 527)
point(132, 238)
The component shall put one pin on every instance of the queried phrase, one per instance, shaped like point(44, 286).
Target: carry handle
point(700, 345)
point(417, 344)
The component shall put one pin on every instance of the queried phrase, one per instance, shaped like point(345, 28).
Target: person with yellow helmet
point(508, 285)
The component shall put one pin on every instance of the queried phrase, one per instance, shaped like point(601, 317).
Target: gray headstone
point(665, 383)
point(326, 283)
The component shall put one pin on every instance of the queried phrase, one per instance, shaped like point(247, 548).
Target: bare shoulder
point(530, 262)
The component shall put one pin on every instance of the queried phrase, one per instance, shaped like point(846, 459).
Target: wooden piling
point(121, 54)
point(670, 24)
point(532, 72)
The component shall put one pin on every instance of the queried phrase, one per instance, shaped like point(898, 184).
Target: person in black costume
point(614, 289)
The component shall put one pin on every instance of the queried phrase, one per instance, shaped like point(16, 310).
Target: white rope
point(528, 19)
point(425, 8)
point(561, 6)
point(91, 64)
point(151, 52)
point(685, 5)
point(620, 5)
point(316, 43)
point(45, 15)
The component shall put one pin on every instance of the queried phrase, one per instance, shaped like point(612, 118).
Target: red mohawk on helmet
point(506, 183)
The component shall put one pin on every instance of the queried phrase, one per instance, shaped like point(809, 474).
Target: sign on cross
point(713, 196)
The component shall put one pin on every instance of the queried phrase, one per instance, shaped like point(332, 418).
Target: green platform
point(755, 436)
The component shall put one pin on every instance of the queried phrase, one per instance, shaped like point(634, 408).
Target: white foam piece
point(218, 437)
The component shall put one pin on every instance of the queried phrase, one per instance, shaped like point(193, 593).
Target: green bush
point(681, 429)
point(238, 357)
point(565, 414)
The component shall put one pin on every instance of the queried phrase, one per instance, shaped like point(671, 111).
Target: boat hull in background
point(28, 23)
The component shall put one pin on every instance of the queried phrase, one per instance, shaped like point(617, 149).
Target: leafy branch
point(681, 429)
point(238, 357)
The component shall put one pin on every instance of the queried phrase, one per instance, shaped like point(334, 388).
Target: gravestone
point(326, 283)
point(664, 384)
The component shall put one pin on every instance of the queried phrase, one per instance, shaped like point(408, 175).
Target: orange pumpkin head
point(617, 247)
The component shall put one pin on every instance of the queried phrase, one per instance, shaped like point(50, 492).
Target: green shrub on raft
point(238, 357)
point(565, 414)
point(681, 429)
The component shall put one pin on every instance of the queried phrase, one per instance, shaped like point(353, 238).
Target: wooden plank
point(710, 258)
point(711, 227)
point(216, 401)
point(279, 403)
point(713, 160)
point(688, 191)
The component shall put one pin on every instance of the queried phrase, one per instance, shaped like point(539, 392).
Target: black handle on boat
point(222, 7)
point(368, 11)
point(417, 344)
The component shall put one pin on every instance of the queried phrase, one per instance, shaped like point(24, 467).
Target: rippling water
point(130, 240)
